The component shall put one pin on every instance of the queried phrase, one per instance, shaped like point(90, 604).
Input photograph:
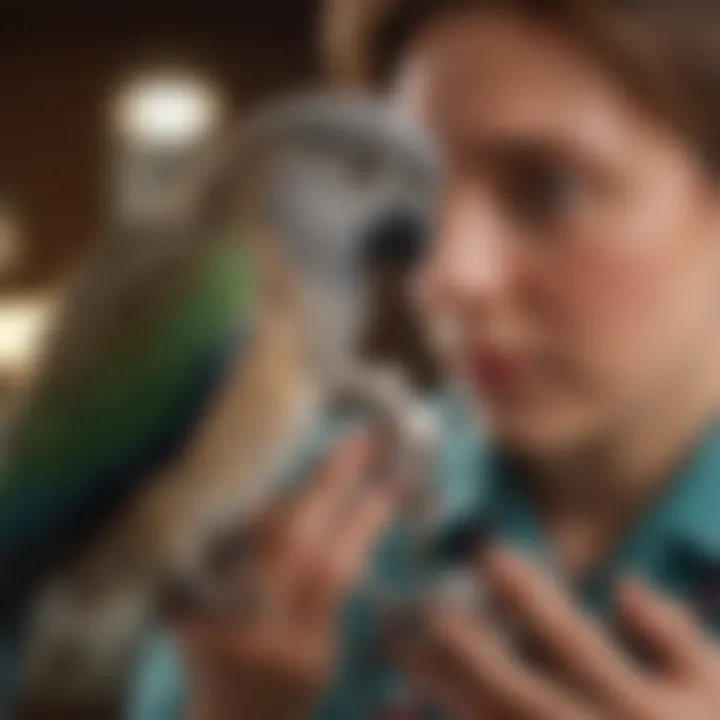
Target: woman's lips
point(500, 373)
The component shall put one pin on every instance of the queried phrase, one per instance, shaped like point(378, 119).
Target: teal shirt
point(674, 545)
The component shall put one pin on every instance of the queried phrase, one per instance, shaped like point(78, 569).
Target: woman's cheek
point(628, 300)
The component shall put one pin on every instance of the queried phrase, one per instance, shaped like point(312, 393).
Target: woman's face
point(575, 278)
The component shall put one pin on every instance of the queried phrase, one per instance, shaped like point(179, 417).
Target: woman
point(573, 293)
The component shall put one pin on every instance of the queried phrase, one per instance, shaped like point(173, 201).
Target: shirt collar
point(479, 494)
point(692, 517)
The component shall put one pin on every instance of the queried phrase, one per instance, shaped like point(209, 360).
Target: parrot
point(177, 385)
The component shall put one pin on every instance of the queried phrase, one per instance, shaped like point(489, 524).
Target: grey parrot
point(180, 379)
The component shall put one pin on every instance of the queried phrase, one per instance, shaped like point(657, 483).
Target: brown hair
point(667, 52)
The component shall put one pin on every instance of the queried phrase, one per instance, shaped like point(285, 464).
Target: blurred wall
point(60, 62)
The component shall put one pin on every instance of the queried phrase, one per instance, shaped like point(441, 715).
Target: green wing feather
point(120, 399)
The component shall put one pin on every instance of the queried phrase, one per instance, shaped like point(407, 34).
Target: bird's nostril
point(396, 240)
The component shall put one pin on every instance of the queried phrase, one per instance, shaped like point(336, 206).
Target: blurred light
point(22, 324)
point(167, 110)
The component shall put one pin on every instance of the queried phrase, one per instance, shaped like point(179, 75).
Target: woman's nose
point(470, 259)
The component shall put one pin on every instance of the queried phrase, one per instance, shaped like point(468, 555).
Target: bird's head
point(330, 187)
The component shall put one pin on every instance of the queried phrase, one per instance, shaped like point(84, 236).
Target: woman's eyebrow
point(517, 151)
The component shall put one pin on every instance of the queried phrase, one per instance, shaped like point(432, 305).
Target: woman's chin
point(541, 429)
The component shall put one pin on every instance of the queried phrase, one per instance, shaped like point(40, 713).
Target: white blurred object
point(408, 428)
point(162, 123)
point(167, 110)
point(22, 323)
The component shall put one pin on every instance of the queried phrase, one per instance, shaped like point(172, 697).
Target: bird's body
point(193, 356)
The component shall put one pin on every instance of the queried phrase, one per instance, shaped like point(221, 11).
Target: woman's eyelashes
point(541, 193)
point(531, 183)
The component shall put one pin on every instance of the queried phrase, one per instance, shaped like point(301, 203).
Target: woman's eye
point(543, 194)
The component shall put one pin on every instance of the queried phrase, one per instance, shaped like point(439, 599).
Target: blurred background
point(100, 103)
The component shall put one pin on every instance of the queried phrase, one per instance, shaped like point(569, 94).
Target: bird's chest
point(235, 462)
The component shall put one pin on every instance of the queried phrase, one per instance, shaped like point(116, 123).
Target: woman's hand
point(274, 663)
point(475, 675)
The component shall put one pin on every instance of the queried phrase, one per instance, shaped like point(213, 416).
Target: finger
point(665, 629)
point(341, 472)
point(221, 645)
point(500, 676)
point(442, 686)
point(203, 638)
point(592, 660)
point(306, 658)
point(471, 658)
point(342, 561)
point(410, 633)
point(303, 536)
point(303, 528)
